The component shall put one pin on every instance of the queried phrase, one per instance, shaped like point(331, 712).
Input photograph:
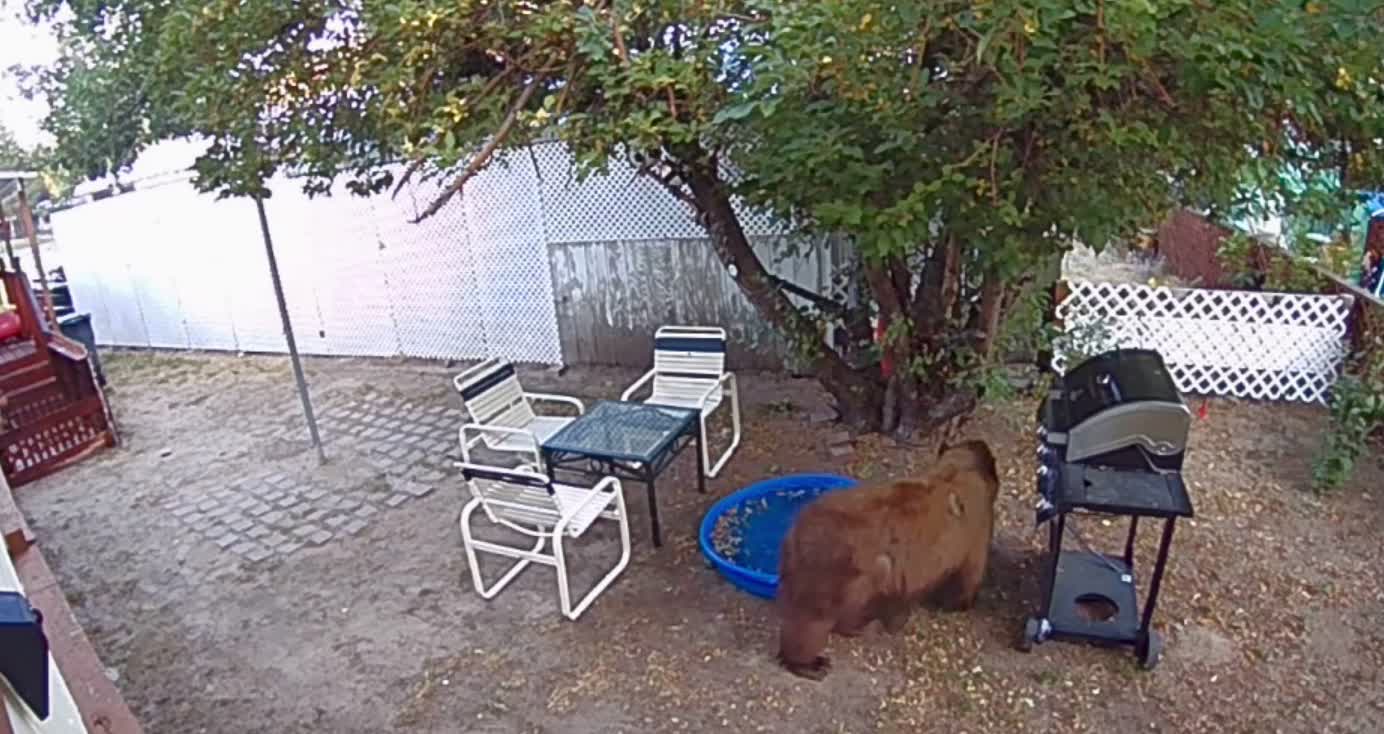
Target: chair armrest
point(720, 384)
point(608, 482)
point(637, 384)
point(524, 471)
point(480, 432)
point(551, 398)
point(597, 495)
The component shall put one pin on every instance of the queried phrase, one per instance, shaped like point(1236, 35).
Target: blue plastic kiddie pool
point(741, 534)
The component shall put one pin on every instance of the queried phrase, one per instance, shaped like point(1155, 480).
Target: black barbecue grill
point(1112, 435)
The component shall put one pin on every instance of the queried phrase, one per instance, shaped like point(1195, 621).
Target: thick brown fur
point(874, 552)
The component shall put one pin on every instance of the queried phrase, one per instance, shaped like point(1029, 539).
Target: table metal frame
point(595, 463)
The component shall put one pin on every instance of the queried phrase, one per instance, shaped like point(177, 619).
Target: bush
point(1357, 405)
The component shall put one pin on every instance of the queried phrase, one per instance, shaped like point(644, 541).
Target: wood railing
point(54, 411)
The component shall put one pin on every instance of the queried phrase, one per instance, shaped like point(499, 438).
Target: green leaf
point(984, 43)
point(734, 112)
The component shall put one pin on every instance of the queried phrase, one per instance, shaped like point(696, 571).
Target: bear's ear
point(954, 506)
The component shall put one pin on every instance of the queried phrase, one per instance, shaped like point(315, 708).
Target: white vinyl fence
point(167, 267)
point(1273, 346)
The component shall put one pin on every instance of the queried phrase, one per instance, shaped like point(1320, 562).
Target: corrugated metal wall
point(612, 295)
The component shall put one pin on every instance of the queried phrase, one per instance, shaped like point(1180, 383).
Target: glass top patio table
point(632, 432)
point(627, 440)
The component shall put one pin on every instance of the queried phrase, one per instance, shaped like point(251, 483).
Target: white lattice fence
point(1273, 346)
point(620, 205)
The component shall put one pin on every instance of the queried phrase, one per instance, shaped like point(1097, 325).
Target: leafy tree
point(52, 182)
point(961, 144)
point(13, 156)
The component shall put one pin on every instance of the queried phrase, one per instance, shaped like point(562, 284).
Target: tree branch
point(938, 288)
point(408, 174)
point(568, 74)
point(857, 395)
point(1163, 95)
point(839, 310)
point(994, 183)
point(668, 180)
point(672, 102)
point(620, 48)
point(483, 157)
point(991, 308)
point(955, 404)
point(485, 92)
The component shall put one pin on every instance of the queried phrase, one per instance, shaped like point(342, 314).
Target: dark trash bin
point(77, 327)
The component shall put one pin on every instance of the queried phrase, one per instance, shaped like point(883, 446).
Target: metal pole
point(26, 215)
point(288, 331)
point(5, 231)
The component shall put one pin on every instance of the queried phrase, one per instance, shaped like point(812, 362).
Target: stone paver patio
point(275, 513)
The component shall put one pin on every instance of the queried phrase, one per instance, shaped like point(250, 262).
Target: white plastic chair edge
point(554, 398)
point(632, 389)
point(734, 391)
point(480, 429)
point(558, 559)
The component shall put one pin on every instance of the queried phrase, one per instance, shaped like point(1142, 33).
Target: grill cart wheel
point(1032, 634)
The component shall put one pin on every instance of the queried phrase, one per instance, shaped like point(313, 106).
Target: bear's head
point(974, 456)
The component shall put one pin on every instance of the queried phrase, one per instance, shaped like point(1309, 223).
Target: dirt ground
point(1271, 607)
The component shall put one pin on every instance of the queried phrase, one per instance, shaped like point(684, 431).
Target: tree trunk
point(904, 403)
point(991, 306)
point(858, 398)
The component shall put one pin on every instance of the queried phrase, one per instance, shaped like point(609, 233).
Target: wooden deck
point(52, 411)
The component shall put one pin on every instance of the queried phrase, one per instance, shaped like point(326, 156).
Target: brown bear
point(873, 552)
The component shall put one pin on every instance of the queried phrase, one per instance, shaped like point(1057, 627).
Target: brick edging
point(102, 707)
point(14, 531)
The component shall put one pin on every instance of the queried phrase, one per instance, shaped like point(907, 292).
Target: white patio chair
point(501, 412)
point(690, 372)
point(529, 503)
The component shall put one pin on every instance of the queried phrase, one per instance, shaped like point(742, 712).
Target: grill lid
point(1120, 408)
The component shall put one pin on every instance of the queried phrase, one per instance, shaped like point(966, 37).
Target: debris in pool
point(727, 536)
point(740, 537)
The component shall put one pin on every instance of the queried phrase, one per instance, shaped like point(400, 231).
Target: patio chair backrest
point(688, 359)
point(493, 396)
point(517, 498)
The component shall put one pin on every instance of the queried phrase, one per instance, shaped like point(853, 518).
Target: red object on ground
point(1204, 410)
point(886, 363)
point(10, 325)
